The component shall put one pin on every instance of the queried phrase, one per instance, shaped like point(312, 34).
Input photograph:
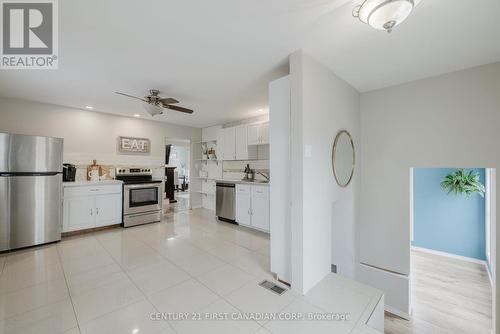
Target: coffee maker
point(69, 173)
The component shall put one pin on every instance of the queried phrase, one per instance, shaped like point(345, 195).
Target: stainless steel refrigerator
point(30, 190)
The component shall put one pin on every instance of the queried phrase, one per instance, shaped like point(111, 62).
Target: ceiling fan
point(156, 103)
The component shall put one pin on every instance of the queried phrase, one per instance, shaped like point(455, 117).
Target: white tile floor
point(111, 281)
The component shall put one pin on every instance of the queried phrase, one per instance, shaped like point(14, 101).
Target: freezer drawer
point(30, 210)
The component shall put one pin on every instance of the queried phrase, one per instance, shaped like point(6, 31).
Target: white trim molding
point(398, 313)
point(453, 256)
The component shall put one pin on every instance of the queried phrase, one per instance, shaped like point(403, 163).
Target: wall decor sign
point(134, 145)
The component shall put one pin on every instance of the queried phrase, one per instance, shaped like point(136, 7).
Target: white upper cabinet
point(210, 133)
point(220, 144)
point(232, 144)
point(241, 143)
point(258, 134)
point(264, 133)
point(229, 144)
point(254, 134)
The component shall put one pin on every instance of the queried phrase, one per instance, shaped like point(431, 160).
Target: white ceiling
point(218, 56)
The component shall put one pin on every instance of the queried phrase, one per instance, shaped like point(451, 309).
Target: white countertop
point(243, 182)
point(90, 183)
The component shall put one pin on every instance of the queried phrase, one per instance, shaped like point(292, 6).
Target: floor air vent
point(272, 287)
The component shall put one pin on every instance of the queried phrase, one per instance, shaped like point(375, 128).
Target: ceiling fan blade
point(168, 100)
point(177, 108)
point(134, 97)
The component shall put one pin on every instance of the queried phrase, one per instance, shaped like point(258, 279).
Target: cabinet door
point(79, 213)
point(229, 150)
point(241, 143)
point(264, 133)
point(108, 209)
point(260, 208)
point(219, 150)
point(243, 204)
point(254, 134)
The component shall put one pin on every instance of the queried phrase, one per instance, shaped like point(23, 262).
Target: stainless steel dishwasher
point(225, 208)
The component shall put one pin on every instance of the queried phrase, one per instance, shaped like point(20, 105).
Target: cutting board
point(92, 167)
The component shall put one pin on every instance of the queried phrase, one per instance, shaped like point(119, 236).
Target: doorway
point(452, 250)
point(177, 174)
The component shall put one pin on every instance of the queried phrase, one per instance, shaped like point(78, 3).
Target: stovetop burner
point(135, 175)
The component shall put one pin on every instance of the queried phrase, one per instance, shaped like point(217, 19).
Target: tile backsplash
point(82, 161)
point(233, 170)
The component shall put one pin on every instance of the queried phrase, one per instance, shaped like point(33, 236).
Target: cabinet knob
point(91, 212)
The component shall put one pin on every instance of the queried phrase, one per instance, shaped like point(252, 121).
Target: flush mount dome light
point(384, 14)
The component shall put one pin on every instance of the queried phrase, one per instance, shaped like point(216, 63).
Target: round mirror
point(343, 158)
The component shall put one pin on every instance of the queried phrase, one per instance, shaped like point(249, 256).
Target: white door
point(264, 133)
point(79, 213)
point(260, 207)
point(254, 134)
point(243, 204)
point(229, 151)
point(108, 209)
point(241, 143)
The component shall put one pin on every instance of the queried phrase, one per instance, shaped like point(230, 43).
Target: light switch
point(307, 151)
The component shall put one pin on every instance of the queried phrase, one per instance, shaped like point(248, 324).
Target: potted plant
point(465, 183)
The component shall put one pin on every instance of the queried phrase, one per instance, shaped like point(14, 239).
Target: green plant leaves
point(462, 182)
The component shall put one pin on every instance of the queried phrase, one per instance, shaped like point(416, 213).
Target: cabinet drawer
point(92, 190)
point(260, 191)
point(242, 189)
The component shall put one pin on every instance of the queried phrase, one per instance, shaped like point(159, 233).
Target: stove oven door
point(138, 198)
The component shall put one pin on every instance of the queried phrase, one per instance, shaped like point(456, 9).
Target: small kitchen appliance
point(69, 173)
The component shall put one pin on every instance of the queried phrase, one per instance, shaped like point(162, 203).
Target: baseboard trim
point(398, 313)
point(489, 275)
point(453, 256)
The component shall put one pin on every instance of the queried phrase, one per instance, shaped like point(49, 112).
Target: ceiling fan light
point(153, 110)
point(384, 14)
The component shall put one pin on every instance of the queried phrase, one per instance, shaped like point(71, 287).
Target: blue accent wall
point(447, 222)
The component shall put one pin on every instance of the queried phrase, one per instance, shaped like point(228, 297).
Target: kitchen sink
point(255, 181)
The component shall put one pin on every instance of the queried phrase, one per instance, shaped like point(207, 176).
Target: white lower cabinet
point(90, 207)
point(78, 213)
point(108, 209)
point(243, 205)
point(260, 208)
point(252, 206)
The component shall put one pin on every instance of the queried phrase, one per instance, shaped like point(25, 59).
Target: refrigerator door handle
point(29, 174)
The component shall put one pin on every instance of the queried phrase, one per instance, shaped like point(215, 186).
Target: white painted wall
point(89, 134)
point(279, 188)
point(450, 120)
point(323, 213)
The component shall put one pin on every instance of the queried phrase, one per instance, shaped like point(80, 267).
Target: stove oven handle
point(138, 186)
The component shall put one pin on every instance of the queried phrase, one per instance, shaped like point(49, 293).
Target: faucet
point(264, 175)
